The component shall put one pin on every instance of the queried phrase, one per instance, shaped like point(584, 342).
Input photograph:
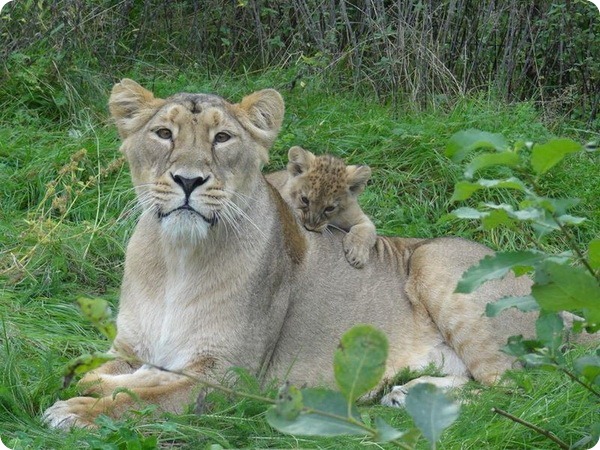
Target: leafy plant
point(569, 281)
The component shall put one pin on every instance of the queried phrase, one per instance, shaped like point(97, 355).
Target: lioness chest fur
point(219, 272)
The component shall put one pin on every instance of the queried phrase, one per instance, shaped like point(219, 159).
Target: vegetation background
point(376, 82)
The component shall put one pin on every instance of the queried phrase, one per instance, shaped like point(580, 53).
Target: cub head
point(194, 158)
point(321, 188)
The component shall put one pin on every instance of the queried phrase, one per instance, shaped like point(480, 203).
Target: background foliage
point(409, 52)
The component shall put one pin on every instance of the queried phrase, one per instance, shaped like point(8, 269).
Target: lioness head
point(322, 187)
point(193, 157)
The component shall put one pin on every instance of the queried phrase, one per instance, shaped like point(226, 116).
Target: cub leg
point(358, 243)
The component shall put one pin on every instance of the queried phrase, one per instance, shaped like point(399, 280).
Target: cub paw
point(356, 250)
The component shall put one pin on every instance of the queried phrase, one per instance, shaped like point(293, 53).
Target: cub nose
point(189, 184)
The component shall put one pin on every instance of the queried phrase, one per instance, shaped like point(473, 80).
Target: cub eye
point(164, 133)
point(330, 209)
point(222, 137)
point(304, 200)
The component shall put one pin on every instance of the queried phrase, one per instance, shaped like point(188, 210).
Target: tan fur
point(220, 273)
point(324, 192)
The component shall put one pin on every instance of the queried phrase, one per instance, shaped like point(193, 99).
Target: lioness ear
point(357, 177)
point(262, 114)
point(131, 106)
point(299, 160)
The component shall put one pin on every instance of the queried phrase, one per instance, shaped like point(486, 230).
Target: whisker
point(240, 212)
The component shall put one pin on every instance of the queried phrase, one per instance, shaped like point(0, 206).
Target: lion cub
point(323, 191)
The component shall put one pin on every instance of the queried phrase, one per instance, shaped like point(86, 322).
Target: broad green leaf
point(431, 410)
point(562, 287)
point(310, 423)
point(359, 361)
point(98, 312)
point(540, 361)
point(469, 213)
point(497, 218)
point(465, 189)
point(385, 432)
point(496, 266)
point(289, 402)
point(558, 206)
point(588, 367)
point(545, 156)
point(594, 254)
point(485, 160)
point(84, 364)
point(549, 330)
point(463, 142)
point(524, 304)
point(567, 219)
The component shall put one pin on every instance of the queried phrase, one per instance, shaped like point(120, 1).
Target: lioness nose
point(189, 184)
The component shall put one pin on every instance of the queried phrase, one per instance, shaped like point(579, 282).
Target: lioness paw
point(356, 250)
point(75, 412)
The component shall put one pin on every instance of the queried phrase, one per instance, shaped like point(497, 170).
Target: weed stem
point(535, 428)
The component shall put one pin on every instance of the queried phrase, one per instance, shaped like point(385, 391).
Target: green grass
point(64, 224)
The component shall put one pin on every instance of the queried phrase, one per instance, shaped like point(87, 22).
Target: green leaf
point(98, 312)
point(540, 361)
point(485, 160)
point(431, 410)
point(496, 266)
point(524, 304)
point(594, 254)
point(545, 156)
point(549, 330)
point(517, 346)
point(385, 432)
point(310, 423)
point(465, 189)
point(497, 218)
point(289, 402)
point(359, 361)
point(469, 213)
point(588, 367)
point(561, 287)
point(84, 364)
point(463, 142)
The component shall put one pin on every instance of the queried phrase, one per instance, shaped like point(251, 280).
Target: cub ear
point(131, 106)
point(357, 178)
point(262, 114)
point(299, 160)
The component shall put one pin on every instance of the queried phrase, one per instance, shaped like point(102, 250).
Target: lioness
point(323, 191)
point(220, 273)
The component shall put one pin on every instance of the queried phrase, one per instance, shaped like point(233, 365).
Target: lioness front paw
point(75, 412)
point(356, 250)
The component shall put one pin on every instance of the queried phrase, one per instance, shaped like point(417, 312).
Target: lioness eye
point(222, 137)
point(304, 200)
point(329, 209)
point(164, 133)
